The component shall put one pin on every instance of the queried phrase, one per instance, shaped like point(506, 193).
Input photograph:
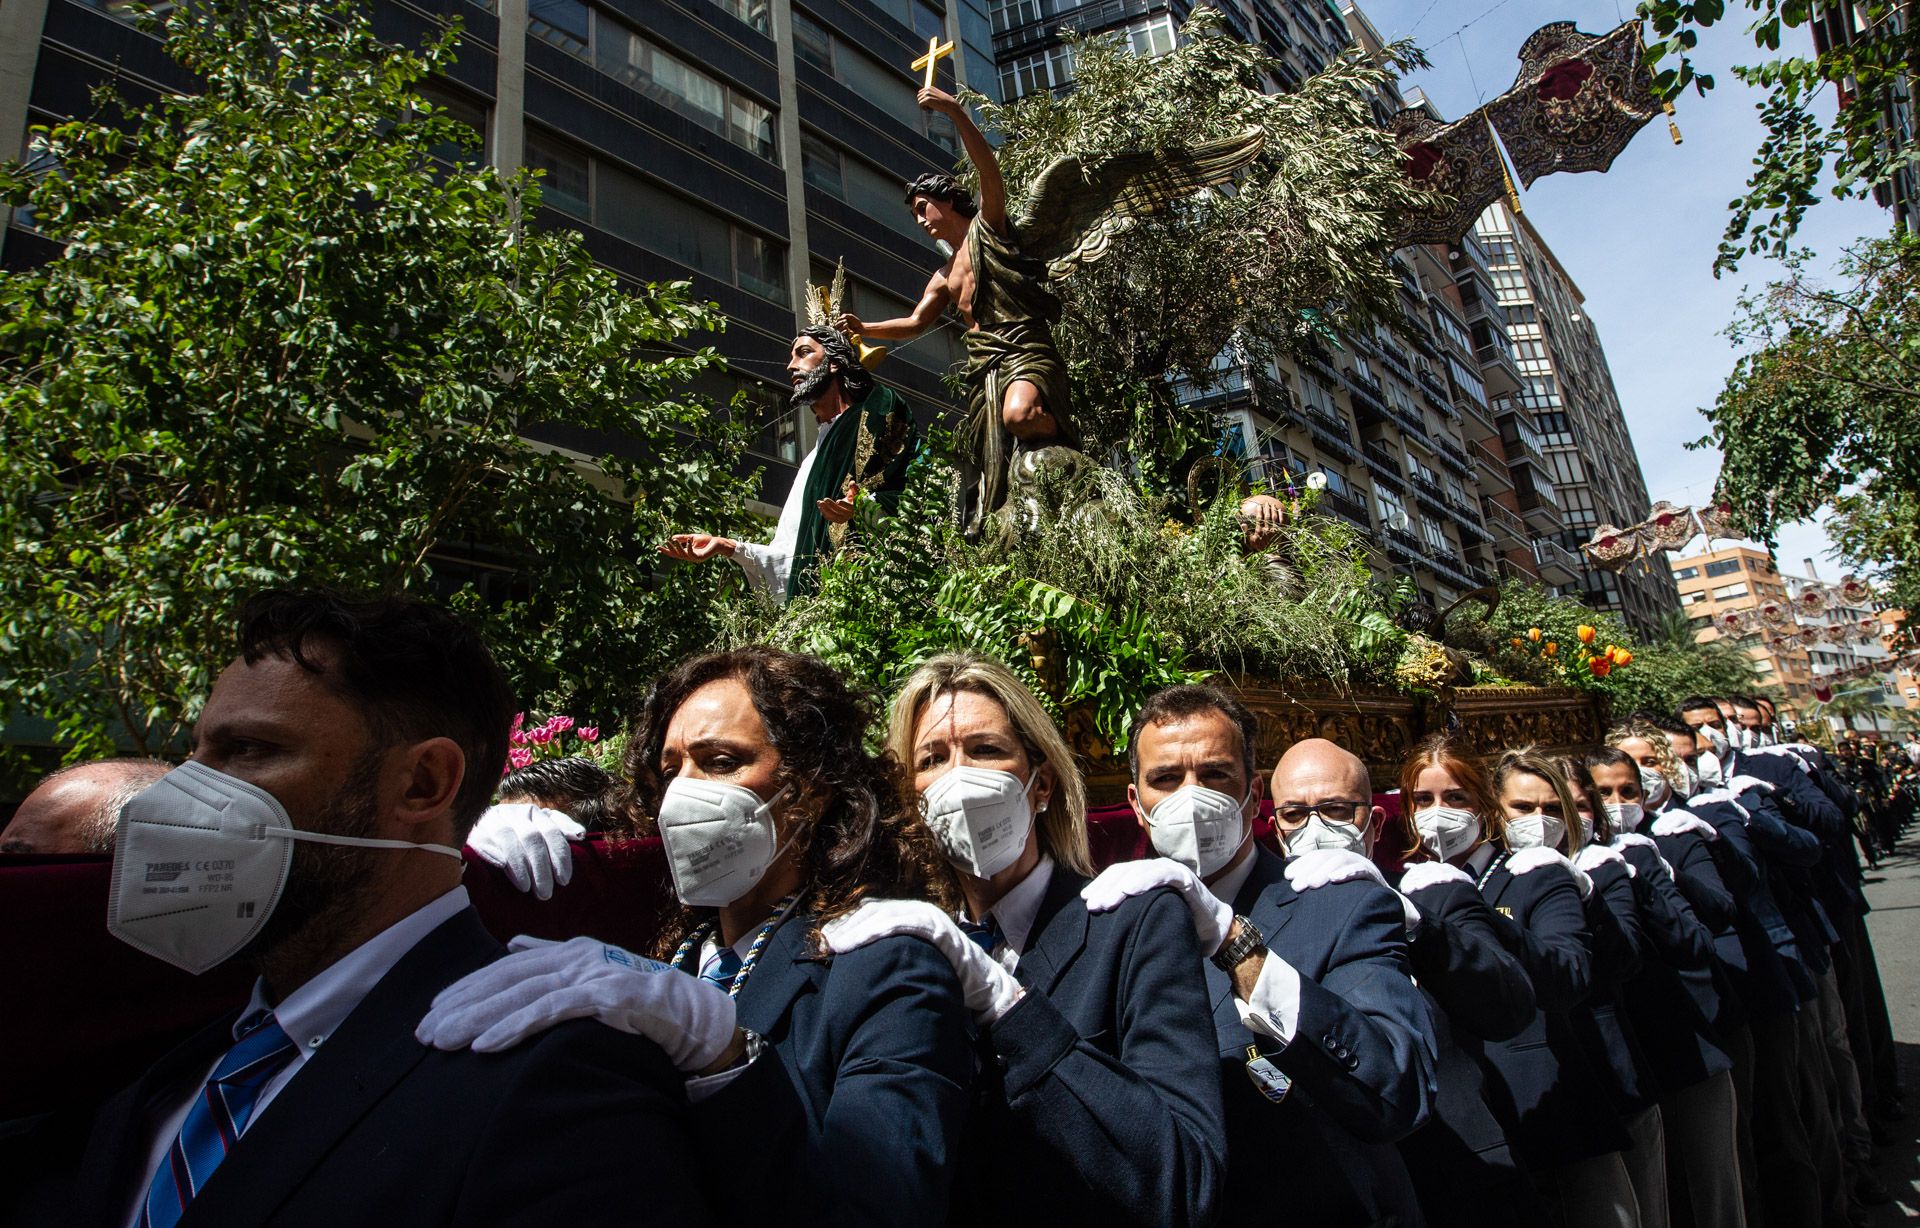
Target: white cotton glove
point(988, 989)
point(1319, 867)
point(1593, 856)
point(1674, 822)
point(1742, 782)
point(1627, 838)
point(529, 842)
point(1212, 916)
point(542, 983)
point(1423, 874)
point(1526, 861)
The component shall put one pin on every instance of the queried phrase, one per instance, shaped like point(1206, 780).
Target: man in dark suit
point(357, 741)
point(1326, 1046)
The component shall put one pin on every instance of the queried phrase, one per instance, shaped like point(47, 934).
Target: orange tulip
point(1533, 633)
point(1551, 648)
point(1600, 667)
point(1586, 633)
point(1621, 656)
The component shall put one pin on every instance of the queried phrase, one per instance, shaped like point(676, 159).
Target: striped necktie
point(721, 968)
point(216, 1120)
point(986, 935)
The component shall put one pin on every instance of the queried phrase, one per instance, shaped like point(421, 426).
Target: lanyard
point(699, 936)
point(1481, 883)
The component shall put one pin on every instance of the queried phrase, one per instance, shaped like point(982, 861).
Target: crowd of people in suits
point(1625, 986)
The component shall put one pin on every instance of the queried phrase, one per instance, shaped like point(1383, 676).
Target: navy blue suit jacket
point(1672, 1002)
point(877, 1047)
point(1756, 970)
point(378, 1128)
point(1477, 990)
point(1542, 1084)
point(1620, 950)
point(1696, 867)
point(1361, 1058)
point(1100, 1101)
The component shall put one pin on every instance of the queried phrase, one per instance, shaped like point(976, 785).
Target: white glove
point(1212, 917)
point(1675, 822)
point(1742, 782)
point(542, 983)
point(1319, 867)
point(988, 989)
point(1423, 874)
point(1526, 861)
point(529, 842)
point(1593, 856)
point(1626, 838)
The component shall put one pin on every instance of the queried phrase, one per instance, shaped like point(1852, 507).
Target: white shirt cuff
point(701, 1086)
point(1274, 1009)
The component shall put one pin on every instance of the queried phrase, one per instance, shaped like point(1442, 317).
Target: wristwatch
point(1248, 940)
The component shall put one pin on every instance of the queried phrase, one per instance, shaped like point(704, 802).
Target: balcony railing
point(1499, 517)
point(1342, 506)
point(1552, 555)
point(1452, 452)
point(1383, 462)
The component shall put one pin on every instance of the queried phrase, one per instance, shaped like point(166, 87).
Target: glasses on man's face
point(1329, 812)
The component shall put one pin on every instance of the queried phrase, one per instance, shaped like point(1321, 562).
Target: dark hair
point(1664, 723)
point(1765, 705)
point(1611, 756)
point(945, 189)
point(1581, 781)
point(1177, 703)
point(867, 838)
point(1694, 703)
point(855, 380)
point(1744, 701)
point(574, 784)
point(413, 669)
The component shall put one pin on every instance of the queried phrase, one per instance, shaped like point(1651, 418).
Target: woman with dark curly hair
point(752, 766)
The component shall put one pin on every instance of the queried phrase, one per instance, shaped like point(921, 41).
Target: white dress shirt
point(699, 1087)
point(1274, 1009)
point(769, 566)
point(1017, 911)
point(308, 1016)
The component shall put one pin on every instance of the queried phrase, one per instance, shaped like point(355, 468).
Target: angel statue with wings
point(999, 275)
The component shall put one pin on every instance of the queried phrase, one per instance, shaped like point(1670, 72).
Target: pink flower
point(560, 724)
point(519, 719)
point(540, 736)
point(588, 733)
point(516, 738)
point(518, 758)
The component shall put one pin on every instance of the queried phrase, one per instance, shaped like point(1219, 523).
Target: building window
point(679, 86)
point(1723, 567)
point(1686, 573)
point(1044, 70)
point(1007, 14)
point(752, 12)
point(564, 23)
point(928, 22)
point(1728, 592)
point(1337, 483)
point(1435, 538)
point(759, 265)
point(811, 42)
point(1152, 37)
point(652, 217)
point(1392, 513)
point(820, 166)
point(459, 107)
point(567, 184)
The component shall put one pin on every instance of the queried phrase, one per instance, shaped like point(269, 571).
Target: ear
point(1376, 816)
point(1043, 787)
point(428, 776)
point(1259, 789)
point(1133, 800)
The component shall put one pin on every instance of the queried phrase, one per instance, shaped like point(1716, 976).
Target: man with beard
point(868, 449)
point(337, 766)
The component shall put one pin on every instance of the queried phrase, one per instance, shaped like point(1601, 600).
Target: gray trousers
point(1703, 1151)
point(1850, 1118)
point(1647, 1165)
point(1594, 1193)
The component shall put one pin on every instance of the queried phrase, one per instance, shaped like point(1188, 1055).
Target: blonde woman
point(1100, 1102)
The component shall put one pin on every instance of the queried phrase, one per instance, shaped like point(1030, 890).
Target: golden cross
point(936, 51)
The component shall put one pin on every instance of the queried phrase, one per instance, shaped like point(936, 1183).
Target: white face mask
point(1586, 826)
point(1535, 831)
point(1624, 816)
point(1716, 738)
point(1708, 771)
point(981, 817)
point(1198, 827)
point(1689, 781)
point(1656, 787)
point(200, 859)
point(1447, 831)
point(719, 839)
point(1317, 833)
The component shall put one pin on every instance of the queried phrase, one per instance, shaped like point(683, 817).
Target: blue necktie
point(216, 1120)
point(986, 935)
point(721, 968)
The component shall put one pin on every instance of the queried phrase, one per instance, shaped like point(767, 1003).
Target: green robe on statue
point(871, 444)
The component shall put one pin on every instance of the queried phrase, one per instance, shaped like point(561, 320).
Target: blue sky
point(1640, 239)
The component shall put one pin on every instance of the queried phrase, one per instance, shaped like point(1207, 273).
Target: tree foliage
point(1826, 409)
point(286, 343)
point(1866, 76)
point(1298, 248)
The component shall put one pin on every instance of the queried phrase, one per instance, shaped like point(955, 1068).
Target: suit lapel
point(779, 977)
point(369, 1053)
point(117, 1148)
point(1059, 933)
